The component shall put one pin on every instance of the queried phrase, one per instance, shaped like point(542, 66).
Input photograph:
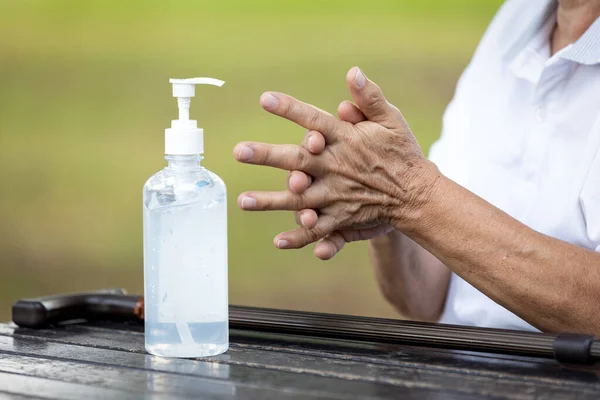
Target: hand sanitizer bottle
point(185, 244)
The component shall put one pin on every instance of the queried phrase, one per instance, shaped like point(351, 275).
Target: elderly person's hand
point(369, 174)
point(298, 182)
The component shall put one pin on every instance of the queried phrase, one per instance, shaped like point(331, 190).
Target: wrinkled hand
point(369, 174)
point(298, 182)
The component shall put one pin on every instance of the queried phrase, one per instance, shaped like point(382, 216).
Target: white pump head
point(184, 136)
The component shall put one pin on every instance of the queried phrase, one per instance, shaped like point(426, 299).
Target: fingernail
point(245, 153)
point(302, 219)
point(269, 101)
point(248, 202)
point(360, 79)
point(310, 140)
point(282, 244)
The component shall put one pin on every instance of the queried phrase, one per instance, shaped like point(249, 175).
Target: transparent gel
point(185, 260)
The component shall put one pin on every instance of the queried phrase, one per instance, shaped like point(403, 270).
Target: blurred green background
point(85, 98)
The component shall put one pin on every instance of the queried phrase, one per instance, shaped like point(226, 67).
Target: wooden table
point(105, 360)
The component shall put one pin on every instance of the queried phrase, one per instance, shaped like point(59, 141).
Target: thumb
point(371, 101)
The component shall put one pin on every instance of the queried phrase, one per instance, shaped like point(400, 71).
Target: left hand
point(370, 173)
point(298, 182)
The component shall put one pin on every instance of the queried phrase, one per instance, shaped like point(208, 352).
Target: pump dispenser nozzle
point(184, 136)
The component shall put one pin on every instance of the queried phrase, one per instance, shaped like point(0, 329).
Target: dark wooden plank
point(13, 396)
point(23, 385)
point(280, 359)
point(137, 382)
point(238, 376)
point(97, 338)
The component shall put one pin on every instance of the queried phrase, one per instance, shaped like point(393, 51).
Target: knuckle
point(298, 201)
point(287, 106)
point(375, 100)
point(314, 118)
point(301, 158)
point(312, 235)
point(322, 228)
point(313, 197)
point(263, 155)
point(265, 203)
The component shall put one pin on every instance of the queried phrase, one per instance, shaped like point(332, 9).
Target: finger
point(306, 218)
point(300, 237)
point(330, 246)
point(371, 101)
point(350, 113)
point(303, 114)
point(314, 142)
point(268, 201)
point(284, 156)
point(298, 181)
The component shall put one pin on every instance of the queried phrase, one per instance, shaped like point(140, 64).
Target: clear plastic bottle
point(185, 255)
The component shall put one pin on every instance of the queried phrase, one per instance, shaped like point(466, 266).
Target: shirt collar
point(586, 50)
point(523, 36)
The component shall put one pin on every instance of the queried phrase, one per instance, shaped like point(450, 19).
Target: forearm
point(552, 284)
point(410, 278)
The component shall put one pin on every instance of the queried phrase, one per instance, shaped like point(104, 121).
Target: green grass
point(84, 100)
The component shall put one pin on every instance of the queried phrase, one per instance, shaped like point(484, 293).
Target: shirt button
point(540, 113)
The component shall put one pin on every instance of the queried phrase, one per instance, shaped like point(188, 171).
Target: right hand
point(298, 182)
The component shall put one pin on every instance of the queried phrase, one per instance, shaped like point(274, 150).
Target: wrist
point(424, 179)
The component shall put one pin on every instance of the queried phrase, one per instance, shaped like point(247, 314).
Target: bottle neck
point(183, 161)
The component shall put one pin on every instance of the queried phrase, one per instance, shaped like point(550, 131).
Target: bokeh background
point(84, 100)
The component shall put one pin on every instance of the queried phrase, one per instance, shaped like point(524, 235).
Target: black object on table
point(282, 354)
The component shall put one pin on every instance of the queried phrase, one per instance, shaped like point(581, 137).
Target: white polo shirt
point(523, 133)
